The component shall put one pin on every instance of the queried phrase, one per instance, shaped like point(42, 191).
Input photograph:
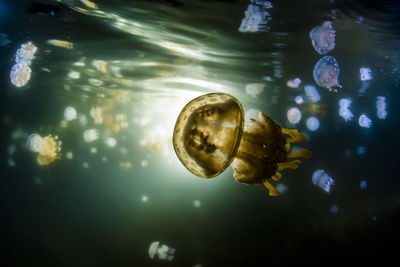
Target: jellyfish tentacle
point(272, 190)
point(289, 165)
point(295, 136)
point(302, 153)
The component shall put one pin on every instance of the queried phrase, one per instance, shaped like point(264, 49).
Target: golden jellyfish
point(48, 148)
point(210, 134)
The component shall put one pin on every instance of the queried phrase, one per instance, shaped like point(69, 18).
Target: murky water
point(113, 185)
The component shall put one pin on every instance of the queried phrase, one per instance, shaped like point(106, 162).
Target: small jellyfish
point(256, 17)
point(90, 135)
point(381, 112)
point(312, 93)
point(144, 198)
point(312, 124)
point(282, 188)
point(20, 74)
point(365, 74)
point(364, 121)
point(69, 155)
point(74, 75)
point(255, 89)
point(326, 73)
point(97, 115)
point(293, 115)
point(162, 252)
point(322, 180)
point(26, 53)
point(323, 37)
point(110, 142)
point(344, 111)
point(70, 113)
point(361, 150)
point(197, 203)
point(294, 83)
point(34, 142)
point(299, 100)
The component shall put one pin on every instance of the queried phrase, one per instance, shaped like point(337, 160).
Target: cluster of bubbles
point(20, 73)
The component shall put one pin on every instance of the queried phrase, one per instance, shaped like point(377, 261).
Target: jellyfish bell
point(49, 150)
point(161, 251)
point(323, 37)
point(210, 134)
point(326, 73)
point(34, 142)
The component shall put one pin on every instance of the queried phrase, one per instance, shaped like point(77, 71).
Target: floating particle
point(20, 74)
point(334, 209)
point(299, 100)
point(323, 37)
point(144, 198)
point(294, 115)
point(11, 162)
point(61, 43)
point(344, 111)
point(4, 39)
point(312, 93)
point(294, 83)
point(144, 163)
point(26, 53)
point(34, 142)
point(197, 203)
point(90, 135)
point(381, 112)
point(363, 185)
point(255, 89)
point(312, 124)
point(321, 179)
point(85, 165)
point(162, 252)
point(364, 121)
point(326, 73)
point(365, 74)
point(70, 113)
point(69, 155)
point(93, 150)
point(11, 149)
point(282, 188)
point(361, 150)
point(74, 75)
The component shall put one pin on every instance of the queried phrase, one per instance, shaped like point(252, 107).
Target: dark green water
point(143, 61)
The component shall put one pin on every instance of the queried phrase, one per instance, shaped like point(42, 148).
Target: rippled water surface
point(112, 184)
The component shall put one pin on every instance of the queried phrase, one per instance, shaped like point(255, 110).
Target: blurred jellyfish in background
point(282, 188)
point(97, 115)
point(197, 203)
point(363, 185)
point(361, 150)
point(4, 39)
point(162, 252)
point(20, 73)
point(294, 83)
point(256, 17)
point(323, 38)
point(69, 155)
point(299, 100)
point(326, 73)
point(312, 93)
point(323, 180)
point(255, 89)
point(312, 124)
point(110, 141)
point(293, 115)
point(365, 74)
point(344, 111)
point(364, 121)
point(381, 112)
point(48, 148)
point(334, 209)
point(90, 135)
point(70, 113)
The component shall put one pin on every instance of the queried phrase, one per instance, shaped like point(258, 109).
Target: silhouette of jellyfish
point(323, 37)
point(210, 134)
point(326, 73)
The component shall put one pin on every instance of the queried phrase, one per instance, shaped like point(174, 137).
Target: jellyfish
point(26, 53)
point(344, 111)
point(334, 209)
point(90, 135)
point(312, 124)
point(322, 180)
point(294, 83)
point(323, 37)
point(70, 113)
point(47, 147)
point(381, 112)
point(196, 203)
point(299, 100)
point(210, 134)
point(312, 93)
point(162, 252)
point(256, 17)
point(20, 74)
point(255, 89)
point(363, 185)
point(294, 115)
point(326, 73)
point(364, 121)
